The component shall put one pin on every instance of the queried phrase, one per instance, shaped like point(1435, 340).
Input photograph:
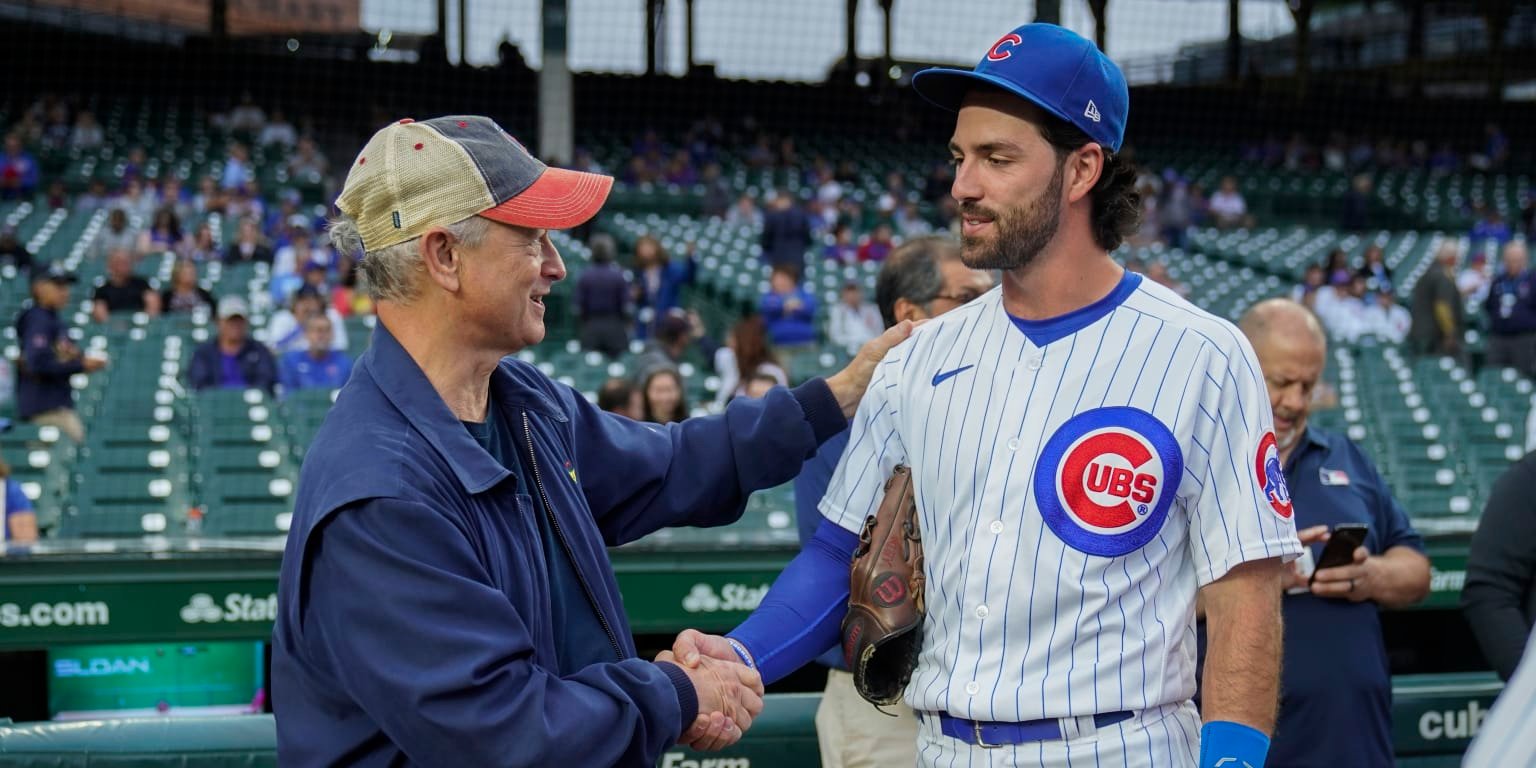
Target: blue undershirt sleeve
point(802, 614)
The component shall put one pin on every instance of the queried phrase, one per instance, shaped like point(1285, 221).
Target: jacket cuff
point(821, 409)
point(687, 697)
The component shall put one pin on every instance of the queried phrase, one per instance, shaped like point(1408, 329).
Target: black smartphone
point(1341, 546)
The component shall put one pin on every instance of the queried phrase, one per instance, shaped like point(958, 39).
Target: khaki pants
point(65, 419)
point(853, 734)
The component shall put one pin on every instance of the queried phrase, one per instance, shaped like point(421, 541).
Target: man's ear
point(1084, 167)
point(904, 309)
point(441, 259)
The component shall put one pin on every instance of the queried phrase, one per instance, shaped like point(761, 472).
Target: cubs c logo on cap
point(1272, 477)
point(1106, 479)
point(999, 50)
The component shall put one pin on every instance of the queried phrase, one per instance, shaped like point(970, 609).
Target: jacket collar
point(406, 387)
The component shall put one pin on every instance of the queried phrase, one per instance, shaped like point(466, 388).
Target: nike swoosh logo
point(938, 378)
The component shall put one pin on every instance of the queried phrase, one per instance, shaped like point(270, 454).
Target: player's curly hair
point(1116, 201)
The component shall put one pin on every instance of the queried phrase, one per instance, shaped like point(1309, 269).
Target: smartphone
point(1341, 546)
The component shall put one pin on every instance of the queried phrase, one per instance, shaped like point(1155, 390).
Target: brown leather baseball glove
point(883, 630)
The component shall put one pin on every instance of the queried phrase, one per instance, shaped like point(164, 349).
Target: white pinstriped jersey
point(1072, 497)
point(1508, 736)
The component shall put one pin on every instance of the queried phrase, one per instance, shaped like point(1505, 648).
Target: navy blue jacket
point(42, 384)
point(1511, 304)
point(257, 366)
point(413, 622)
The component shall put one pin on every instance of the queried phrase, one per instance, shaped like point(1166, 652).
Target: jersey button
point(972, 687)
point(996, 526)
point(981, 611)
point(1013, 444)
point(1034, 363)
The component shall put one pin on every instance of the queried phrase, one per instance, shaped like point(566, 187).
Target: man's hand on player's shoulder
point(848, 385)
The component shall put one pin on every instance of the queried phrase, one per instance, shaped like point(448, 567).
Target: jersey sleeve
point(1242, 510)
point(874, 449)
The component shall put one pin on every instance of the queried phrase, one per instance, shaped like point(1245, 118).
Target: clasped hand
point(730, 693)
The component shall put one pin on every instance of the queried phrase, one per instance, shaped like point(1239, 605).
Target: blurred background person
point(663, 396)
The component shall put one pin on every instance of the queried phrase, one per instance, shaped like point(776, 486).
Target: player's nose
point(966, 186)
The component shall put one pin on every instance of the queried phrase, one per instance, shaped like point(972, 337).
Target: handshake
point(730, 693)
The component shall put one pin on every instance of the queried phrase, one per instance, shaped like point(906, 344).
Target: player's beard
point(1021, 233)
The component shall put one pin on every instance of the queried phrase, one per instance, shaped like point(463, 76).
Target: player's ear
point(1084, 166)
point(908, 310)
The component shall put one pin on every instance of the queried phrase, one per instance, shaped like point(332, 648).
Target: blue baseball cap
point(5, 425)
point(1055, 68)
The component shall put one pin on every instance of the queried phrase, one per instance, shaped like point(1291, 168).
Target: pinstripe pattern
point(1508, 736)
point(1023, 624)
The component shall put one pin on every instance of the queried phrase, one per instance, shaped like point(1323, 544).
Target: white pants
point(1164, 737)
point(853, 734)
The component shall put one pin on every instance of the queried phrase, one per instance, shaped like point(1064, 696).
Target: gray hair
point(911, 272)
point(390, 273)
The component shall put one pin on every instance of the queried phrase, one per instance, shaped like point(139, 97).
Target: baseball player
point(1088, 452)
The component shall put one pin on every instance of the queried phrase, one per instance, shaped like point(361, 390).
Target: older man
point(1437, 315)
point(446, 598)
point(1336, 690)
point(1511, 308)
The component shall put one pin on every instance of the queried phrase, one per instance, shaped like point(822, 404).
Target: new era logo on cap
point(1055, 68)
point(430, 173)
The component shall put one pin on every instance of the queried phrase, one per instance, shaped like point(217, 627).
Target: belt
point(992, 734)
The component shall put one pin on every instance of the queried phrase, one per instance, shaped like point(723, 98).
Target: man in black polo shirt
point(1336, 688)
point(123, 291)
point(49, 358)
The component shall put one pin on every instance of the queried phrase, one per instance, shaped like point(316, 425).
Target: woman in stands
point(744, 355)
point(663, 396)
point(18, 523)
point(184, 294)
point(164, 234)
point(658, 282)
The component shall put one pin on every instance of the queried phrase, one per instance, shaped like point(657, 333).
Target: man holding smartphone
point(1336, 689)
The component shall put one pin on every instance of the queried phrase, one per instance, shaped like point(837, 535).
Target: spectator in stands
point(172, 196)
point(87, 133)
point(1475, 278)
point(237, 168)
point(1511, 308)
point(1337, 268)
point(853, 320)
point(716, 197)
point(93, 199)
point(307, 164)
point(1173, 209)
point(1386, 319)
point(49, 358)
point(246, 117)
point(663, 395)
point(786, 234)
point(1228, 207)
point(842, 250)
point(136, 201)
point(1438, 315)
point(1311, 282)
point(317, 366)
point(1378, 276)
point(1157, 272)
point(18, 523)
point(122, 290)
point(133, 165)
point(232, 360)
point(202, 248)
point(164, 234)
point(621, 397)
point(1355, 211)
point(19, 174)
point(287, 328)
point(209, 198)
point(744, 213)
point(878, 246)
point(184, 295)
point(348, 298)
point(116, 236)
point(1499, 598)
point(249, 245)
point(788, 309)
point(1490, 226)
point(602, 300)
point(1345, 317)
point(744, 355)
point(277, 131)
point(1337, 707)
point(12, 251)
point(659, 282)
point(677, 331)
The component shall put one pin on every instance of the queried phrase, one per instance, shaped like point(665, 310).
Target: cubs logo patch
point(1272, 477)
point(1106, 479)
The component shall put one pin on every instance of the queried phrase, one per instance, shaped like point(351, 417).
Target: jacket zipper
point(554, 522)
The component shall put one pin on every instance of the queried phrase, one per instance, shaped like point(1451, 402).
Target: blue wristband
point(741, 650)
point(1225, 744)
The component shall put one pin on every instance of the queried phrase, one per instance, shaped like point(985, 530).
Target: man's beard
point(1022, 233)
